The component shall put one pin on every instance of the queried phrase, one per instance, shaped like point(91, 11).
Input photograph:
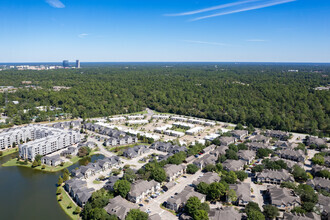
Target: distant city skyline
point(165, 31)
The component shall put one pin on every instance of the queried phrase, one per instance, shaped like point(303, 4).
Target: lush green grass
point(179, 129)
point(14, 162)
point(66, 200)
point(9, 151)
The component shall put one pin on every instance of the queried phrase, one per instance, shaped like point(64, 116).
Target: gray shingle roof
point(225, 213)
point(119, 207)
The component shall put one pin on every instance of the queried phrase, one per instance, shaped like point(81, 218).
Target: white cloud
point(206, 42)
point(273, 3)
point(213, 8)
point(82, 35)
point(55, 3)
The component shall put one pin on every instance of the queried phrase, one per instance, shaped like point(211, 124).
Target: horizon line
point(37, 62)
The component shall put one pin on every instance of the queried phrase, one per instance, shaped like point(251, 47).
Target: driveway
point(257, 192)
point(154, 204)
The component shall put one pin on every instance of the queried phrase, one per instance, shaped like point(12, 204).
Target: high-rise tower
point(66, 63)
point(77, 64)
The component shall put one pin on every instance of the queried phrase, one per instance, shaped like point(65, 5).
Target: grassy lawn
point(179, 129)
point(96, 182)
point(169, 210)
point(14, 162)
point(66, 200)
point(9, 151)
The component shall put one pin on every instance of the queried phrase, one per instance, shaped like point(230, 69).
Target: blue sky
point(165, 30)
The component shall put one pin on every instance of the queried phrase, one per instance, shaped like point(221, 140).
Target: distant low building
point(119, 207)
point(209, 177)
point(295, 155)
point(319, 183)
point(227, 140)
point(178, 201)
point(315, 141)
point(243, 193)
point(260, 138)
point(239, 134)
point(52, 161)
point(284, 199)
point(205, 160)
point(233, 165)
point(246, 155)
point(174, 171)
point(274, 176)
point(141, 189)
point(282, 135)
point(135, 151)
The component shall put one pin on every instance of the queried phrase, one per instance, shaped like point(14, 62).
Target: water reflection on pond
point(30, 194)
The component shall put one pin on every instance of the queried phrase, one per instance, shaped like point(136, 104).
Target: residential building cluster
point(46, 140)
point(264, 187)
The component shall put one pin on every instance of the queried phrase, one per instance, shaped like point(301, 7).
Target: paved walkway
point(154, 204)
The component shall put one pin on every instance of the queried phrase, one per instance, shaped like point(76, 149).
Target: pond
point(30, 194)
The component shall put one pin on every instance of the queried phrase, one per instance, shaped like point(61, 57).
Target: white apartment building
point(22, 134)
point(48, 141)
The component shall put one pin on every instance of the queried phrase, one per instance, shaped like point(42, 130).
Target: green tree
point(158, 174)
point(222, 158)
point(77, 210)
point(219, 167)
point(271, 211)
point(66, 177)
point(122, 187)
point(255, 215)
point(35, 164)
point(200, 215)
point(202, 188)
point(318, 159)
point(241, 175)
point(205, 206)
point(129, 175)
point(252, 206)
point(231, 155)
point(231, 194)
point(58, 191)
point(263, 152)
point(257, 169)
point(60, 181)
point(192, 205)
point(239, 126)
point(230, 178)
point(209, 168)
point(192, 168)
point(136, 214)
point(299, 174)
point(215, 191)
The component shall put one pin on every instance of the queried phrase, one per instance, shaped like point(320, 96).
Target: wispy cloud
point(213, 8)
point(83, 35)
point(273, 3)
point(256, 40)
point(234, 7)
point(55, 3)
point(206, 42)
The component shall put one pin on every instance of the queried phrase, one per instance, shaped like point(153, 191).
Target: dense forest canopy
point(264, 95)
